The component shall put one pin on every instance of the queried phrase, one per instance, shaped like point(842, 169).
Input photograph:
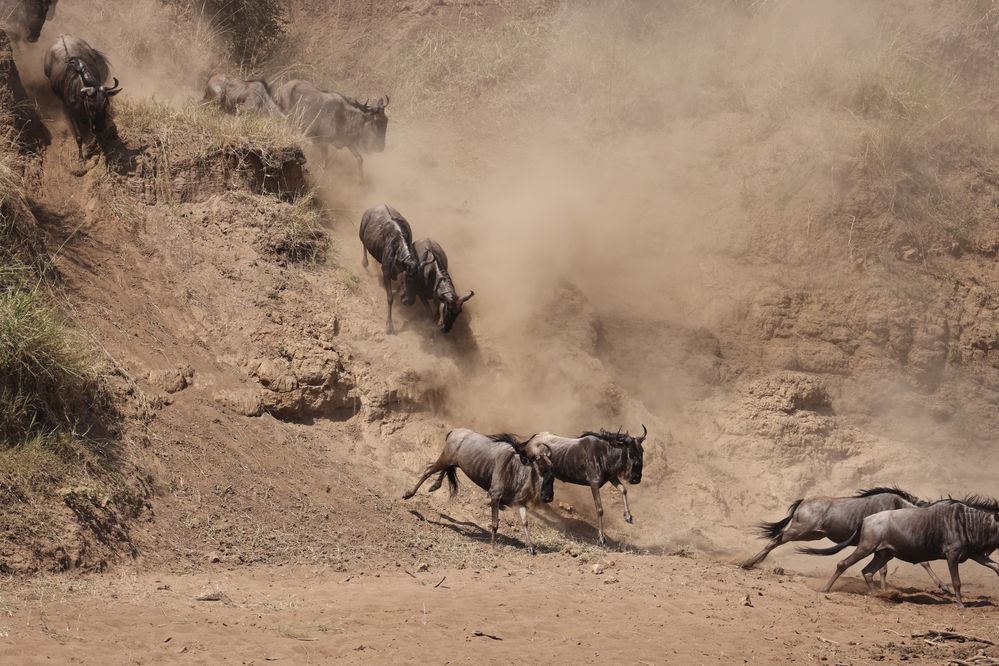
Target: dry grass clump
point(207, 127)
point(50, 381)
point(298, 236)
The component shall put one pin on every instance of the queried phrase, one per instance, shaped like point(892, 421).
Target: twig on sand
point(482, 633)
point(950, 636)
point(826, 640)
point(440, 582)
point(980, 659)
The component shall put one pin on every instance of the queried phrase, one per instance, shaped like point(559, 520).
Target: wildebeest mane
point(507, 437)
point(980, 502)
point(615, 437)
point(891, 490)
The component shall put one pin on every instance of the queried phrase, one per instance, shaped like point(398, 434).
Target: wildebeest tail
point(773, 531)
point(452, 480)
point(832, 550)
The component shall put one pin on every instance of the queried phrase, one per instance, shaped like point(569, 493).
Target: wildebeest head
point(94, 96)
point(634, 452)
point(30, 15)
point(375, 126)
point(539, 455)
point(451, 303)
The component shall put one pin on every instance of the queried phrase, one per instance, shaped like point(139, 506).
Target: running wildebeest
point(593, 459)
point(232, 93)
point(437, 287)
point(835, 518)
point(514, 473)
point(949, 529)
point(25, 18)
point(77, 73)
point(386, 235)
point(329, 118)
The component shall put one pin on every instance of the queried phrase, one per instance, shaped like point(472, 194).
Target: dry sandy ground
point(641, 610)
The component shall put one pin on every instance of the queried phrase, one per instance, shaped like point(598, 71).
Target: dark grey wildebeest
point(25, 18)
point(514, 473)
point(834, 518)
point(332, 119)
point(436, 286)
point(952, 530)
point(77, 73)
point(595, 458)
point(232, 93)
point(386, 235)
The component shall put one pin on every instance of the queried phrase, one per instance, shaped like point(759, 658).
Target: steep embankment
point(771, 243)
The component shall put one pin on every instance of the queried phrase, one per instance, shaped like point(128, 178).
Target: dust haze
point(633, 189)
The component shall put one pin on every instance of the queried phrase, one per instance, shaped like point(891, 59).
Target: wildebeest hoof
point(629, 519)
point(530, 549)
point(747, 565)
point(406, 496)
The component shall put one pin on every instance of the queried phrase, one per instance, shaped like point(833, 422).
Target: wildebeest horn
point(113, 90)
point(467, 296)
point(645, 432)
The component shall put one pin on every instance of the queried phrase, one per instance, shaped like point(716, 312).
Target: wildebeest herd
point(884, 522)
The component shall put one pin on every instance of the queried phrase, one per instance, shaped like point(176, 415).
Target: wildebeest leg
point(985, 561)
point(433, 469)
point(364, 256)
point(624, 493)
point(884, 577)
point(760, 556)
point(600, 513)
point(437, 483)
point(854, 557)
point(495, 523)
point(389, 296)
point(527, 533)
point(936, 579)
point(360, 165)
point(78, 135)
point(955, 578)
point(878, 564)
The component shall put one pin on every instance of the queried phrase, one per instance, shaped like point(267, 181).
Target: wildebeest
point(436, 286)
point(25, 18)
point(835, 518)
point(593, 459)
point(514, 473)
point(386, 235)
point(232, 93)
point(949, 529)
point(329, 118)
point(77, 73)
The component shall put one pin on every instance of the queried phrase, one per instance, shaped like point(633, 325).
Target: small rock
point(598, 569)
point(423, 566)
point(779, 571)
point(747, 601)
point(214, 558)
point(568, 508)
point(609, 581)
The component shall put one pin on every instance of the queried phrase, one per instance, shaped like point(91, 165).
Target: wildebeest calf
point(593, 459)
point(835, 518)
point(513, 473)
point(952, 530)
point(77, 73)
point(232, 93)
point(436, 285)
